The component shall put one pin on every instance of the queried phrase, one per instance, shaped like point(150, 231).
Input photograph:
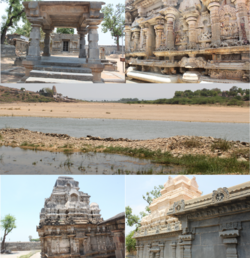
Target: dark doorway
point(65, 46)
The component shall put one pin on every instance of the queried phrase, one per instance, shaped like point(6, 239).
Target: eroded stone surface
point(175, 37)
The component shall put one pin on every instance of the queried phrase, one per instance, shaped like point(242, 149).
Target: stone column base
point(96, 70)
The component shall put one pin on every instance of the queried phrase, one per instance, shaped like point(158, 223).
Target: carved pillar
point(242, 19)
point(82, 51)
point(186, 245)
point(213, 7)
point(136, 39)
point(137, 250)
point(150, 46)
point(142, 37)
point(181, 251)
point(119, 241)
point(173, 247)
point(230, 241)
point(46, 49)
point(170, 30)
point(148, 251)
point(34, 48)
point(191, 20)
point(161, 250)
point(127, 38)
point(159, 30)
point(93, 51)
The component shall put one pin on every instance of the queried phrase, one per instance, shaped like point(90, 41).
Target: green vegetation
point(130, 242)
point(221, 144)
point(192, 143)
point(65, 30)
point(202, 97)
point(192, 164)
point(8, 223)
point(114, 21)
point(29, 254)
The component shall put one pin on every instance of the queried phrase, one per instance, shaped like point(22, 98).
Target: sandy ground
point(193, 113)
point(17, 254)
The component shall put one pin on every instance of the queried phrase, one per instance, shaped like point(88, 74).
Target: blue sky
point(104, 38)
point(117, 91)
point(23, 197)
point(137, 186)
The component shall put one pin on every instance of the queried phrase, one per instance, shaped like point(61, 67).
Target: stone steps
point(60, 63)
point(62, 69)
point(53, 80)
point(61, 75)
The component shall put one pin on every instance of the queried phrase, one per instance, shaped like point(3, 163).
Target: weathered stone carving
point(194, 28)
point(70, 226)
point(220, 195)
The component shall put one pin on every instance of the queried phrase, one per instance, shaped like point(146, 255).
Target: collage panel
point(62, 216)
point(187, 216)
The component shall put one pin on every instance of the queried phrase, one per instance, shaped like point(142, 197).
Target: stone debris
point(176, 145)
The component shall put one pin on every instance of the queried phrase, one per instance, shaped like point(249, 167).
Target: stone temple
point(71, 227)
point(85, 16)
point(181, 41)
point(185, 224)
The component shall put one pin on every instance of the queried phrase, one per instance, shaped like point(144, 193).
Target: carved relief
point(220, 195)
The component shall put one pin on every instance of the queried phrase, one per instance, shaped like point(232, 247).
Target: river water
point(132, 129)
point(26, 162)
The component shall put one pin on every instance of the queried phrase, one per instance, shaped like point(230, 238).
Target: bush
point(130, 242)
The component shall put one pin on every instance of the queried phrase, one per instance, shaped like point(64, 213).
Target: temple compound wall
point(71, 227)
point(188, 40)
point(184, 224)
point(22, 246)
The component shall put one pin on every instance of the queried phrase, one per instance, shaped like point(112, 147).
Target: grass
point(192, 143)
point(221, 144)
point(26, 144)
point(29, 254)
point(191, 163)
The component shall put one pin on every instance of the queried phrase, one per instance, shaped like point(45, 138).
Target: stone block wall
point(22, 246)
point(8, 51)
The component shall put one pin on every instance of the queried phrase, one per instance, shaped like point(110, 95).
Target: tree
point(130, 242)
point(65, 30)
point(131, 219)
point(48, 92)
point(234, 89)
point(114, 21)
point(15, 11)
point(25, 29)
point(7, 224)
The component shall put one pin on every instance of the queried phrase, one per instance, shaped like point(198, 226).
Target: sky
point(137, 186)
point(23, 197)
point(104, 38)
point(147, 91)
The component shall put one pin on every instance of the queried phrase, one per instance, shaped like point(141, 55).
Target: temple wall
point(8, 51)
point(22, 246)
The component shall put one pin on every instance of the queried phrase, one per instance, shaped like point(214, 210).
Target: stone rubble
point(177, 145)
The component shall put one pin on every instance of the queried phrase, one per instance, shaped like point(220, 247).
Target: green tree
point(65, 30)
point(7, 225)
point(178, 93)
point(25, 29)
point(131, 219)
point(48, 92)
point(234, 89)
point(114, 21)
point(130, 242)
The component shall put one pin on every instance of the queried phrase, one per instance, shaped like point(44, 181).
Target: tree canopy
point(8, 223)
point(130, 242)
point(114, 21)
point(132, 219)
point(65, 30)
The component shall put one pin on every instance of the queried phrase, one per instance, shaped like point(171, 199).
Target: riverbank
point(198, 154)
point(185, 113)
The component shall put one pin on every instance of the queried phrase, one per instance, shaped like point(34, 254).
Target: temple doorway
point(66, 46)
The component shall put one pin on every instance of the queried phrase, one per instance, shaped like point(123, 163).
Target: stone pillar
point(159, 30)
point(82, 51)
point(161, 250)
point(170, 31)
point(93, 51)
point(213, 7)
point(242, 19)
point(34, 48)
point(136, 39)
point(119, 241)
point(137, 250)
point(192, 31)
point(150, 40)
point(230, 241)
point(181, 251)
point(173, 246)
point(46, 49)
point(127, 38)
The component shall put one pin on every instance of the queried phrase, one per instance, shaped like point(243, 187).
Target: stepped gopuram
point(187, 41)
point(47, 15)
point(184, 224)
point(70, 227)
